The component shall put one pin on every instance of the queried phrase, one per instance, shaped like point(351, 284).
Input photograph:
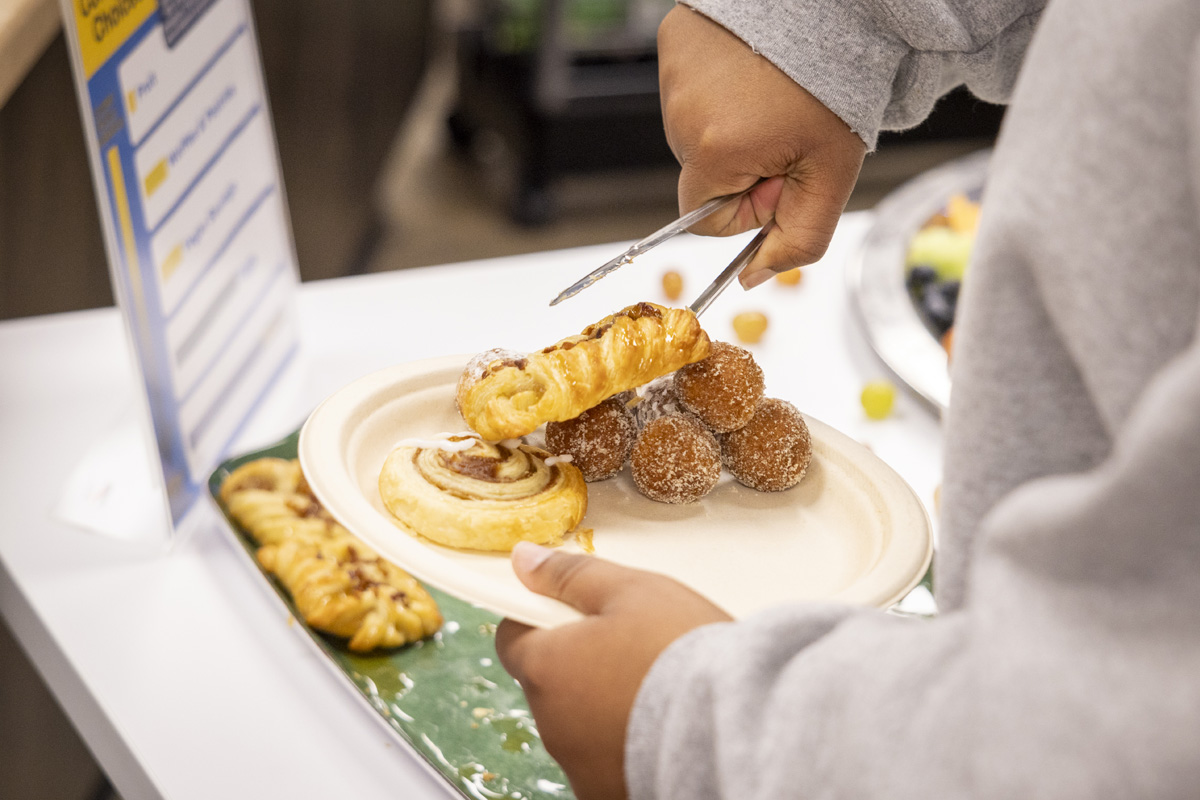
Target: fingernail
point(527, 556)
point(756, 279)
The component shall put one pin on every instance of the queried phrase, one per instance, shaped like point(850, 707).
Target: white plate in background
point(876, 277)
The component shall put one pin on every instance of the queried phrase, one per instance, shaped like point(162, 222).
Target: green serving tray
point(447, 698)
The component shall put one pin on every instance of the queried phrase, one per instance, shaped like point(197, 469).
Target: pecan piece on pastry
point(348, 591)
point(339, 585)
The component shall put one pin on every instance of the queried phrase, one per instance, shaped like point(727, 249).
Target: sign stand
point(199, 246)
point(115, 489)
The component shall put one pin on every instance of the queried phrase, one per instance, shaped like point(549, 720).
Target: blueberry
point(919, 278)
point(939, 303)
point(951, 289)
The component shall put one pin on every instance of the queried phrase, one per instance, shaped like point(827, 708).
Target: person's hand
point(581, 678)
point(733, 118)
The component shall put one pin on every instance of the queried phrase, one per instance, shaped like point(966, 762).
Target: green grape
point(946, 250)
point(878, 397)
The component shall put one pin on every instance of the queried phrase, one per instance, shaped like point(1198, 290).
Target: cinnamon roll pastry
point(464, 492)
point(504, 395)
point(344, 589)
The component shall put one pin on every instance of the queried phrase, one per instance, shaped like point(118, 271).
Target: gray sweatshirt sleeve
point(1070, 674)
point(882, 64)
point(1068, 668)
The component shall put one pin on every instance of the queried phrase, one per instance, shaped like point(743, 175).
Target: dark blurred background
point(414, 132)
point(410, 133)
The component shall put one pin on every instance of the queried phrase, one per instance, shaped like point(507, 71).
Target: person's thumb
point(583, 582)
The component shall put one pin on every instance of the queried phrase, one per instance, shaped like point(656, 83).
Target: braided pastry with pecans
point(339, 585)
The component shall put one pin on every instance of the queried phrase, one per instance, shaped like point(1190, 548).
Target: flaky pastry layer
point(488, 497)
point(343, 588)
point(508, 395)
point(339, 585)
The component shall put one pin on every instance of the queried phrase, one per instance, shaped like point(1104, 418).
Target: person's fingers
point(805, 220)
point(732, 118)
point(807, 214)
point(762, 202)
point(512, 646)
point(583, 582)
point(697, 186)
point(806, 211)
point(752, 211)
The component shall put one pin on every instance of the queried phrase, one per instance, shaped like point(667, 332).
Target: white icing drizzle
point(465, 441)
point(566, 458)
point(477, 367)
point(442, 441)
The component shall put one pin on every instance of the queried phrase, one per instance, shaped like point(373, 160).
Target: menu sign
point(199, 246)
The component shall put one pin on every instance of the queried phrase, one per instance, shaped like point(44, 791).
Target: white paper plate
point(851, 531)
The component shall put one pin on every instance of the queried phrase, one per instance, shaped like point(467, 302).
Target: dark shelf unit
point(559, 108)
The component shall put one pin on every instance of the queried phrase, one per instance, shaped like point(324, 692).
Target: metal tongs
point(658, 237)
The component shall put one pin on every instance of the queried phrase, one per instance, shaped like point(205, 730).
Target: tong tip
point(568, 293)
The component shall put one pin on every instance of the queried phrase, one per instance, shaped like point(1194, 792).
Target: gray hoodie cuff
point(836, 51)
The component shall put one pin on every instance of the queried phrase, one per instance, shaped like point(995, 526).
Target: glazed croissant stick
point(505, 395)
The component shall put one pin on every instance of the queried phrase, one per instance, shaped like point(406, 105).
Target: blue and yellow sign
point(200, 251)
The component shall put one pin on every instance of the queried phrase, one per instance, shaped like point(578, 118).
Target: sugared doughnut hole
point(676, 460)
point(722, 390)
point(598, 440)
point(655, 399)
point(772, 451)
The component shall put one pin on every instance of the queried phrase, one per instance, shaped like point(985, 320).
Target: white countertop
point(179, 670)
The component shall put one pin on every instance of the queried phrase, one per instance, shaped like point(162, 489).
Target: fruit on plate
point(936, 262)
point(944, 249)
point(936, 300)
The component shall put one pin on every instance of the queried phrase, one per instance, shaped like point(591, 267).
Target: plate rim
point(337, 490)
point(875, 277)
